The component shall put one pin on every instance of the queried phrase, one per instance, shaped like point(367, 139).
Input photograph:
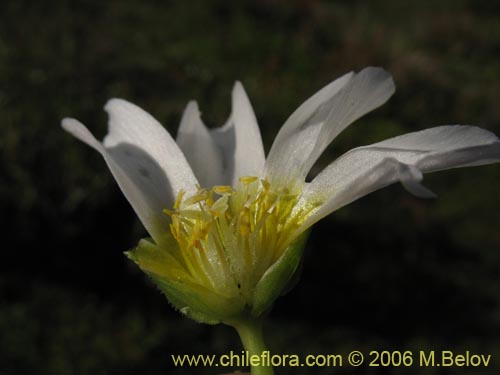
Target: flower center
point(228, 237)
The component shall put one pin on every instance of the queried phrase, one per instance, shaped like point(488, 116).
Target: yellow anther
point(247, 180)
point(222, 189)
point(178, 200)
point(200, 196)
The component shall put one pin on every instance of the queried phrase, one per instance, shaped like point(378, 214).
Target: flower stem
point(250, 332)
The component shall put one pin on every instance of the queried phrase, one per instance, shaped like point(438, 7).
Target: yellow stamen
point(248, 180)
point(222, 189)
point(228, 237)
point(178, 200)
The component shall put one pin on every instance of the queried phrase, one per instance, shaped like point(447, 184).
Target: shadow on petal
point(145, 185)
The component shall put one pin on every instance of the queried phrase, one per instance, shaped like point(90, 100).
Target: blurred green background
point(387, 272)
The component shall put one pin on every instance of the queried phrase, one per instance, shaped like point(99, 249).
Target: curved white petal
point(199, 147)
point(366, 169)
point(249, 156)
point(149, 176)
point(312, 127)
point(129, 124)
point(240, 140)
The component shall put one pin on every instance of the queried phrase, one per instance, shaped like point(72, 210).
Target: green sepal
point(278, 277)
point(190, 298)
point(197, 303)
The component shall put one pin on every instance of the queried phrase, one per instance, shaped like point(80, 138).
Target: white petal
point(240, 139)
point(130, 125)
point(312, 127)
point(199, 147)
point(249, 156)
point(404, 158)
point(145, 161)
point(140, 178)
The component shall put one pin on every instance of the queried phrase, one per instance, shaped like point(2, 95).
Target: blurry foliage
point(52, 331)
point(400, 272)
point(72, 334)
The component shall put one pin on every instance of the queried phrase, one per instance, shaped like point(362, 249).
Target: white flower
point(225, 220)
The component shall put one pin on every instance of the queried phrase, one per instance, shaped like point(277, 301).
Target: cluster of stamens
point(228, 237)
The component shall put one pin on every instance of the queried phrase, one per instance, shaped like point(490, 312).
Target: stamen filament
point(228, 237)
